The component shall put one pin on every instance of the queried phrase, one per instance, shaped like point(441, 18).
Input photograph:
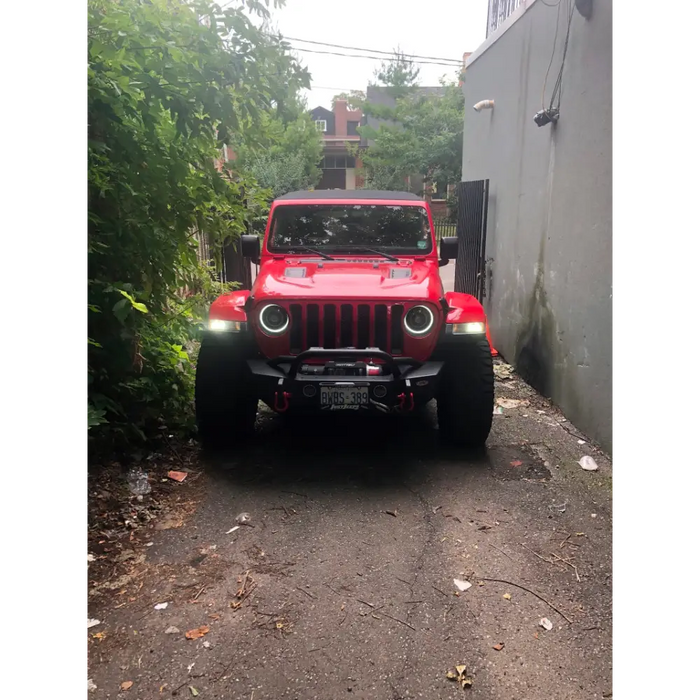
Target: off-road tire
point(466, 393)
point(225, 405)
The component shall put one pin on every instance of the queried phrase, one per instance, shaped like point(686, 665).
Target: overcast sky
point(438, 28)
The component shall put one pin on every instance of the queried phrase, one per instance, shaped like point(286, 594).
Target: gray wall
point(550, 209)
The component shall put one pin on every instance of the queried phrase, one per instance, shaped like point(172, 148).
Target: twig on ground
point(439, 591)
point(537, 595)
point(306, 593)
point(501, 551)
point(539, 556)
point(201, 590)
point(396, 619)
point(568, 563)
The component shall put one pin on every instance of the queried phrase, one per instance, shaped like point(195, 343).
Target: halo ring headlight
point(419, 321)
point(273, 319)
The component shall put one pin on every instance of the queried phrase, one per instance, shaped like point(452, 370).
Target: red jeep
point(347, 312)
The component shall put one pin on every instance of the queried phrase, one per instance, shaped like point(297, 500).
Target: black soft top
point(350, 195)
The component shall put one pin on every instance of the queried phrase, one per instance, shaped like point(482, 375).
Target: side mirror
point(448, 249)
point(250, 247)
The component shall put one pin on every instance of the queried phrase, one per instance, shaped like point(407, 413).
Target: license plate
point(344, 397)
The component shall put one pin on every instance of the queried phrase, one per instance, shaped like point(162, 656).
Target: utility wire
point(372, 58)
point(557, 86)
point(384, 53)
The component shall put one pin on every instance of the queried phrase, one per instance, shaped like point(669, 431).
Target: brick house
point(338, 127)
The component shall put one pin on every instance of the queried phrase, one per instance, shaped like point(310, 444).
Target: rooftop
point(351, 195)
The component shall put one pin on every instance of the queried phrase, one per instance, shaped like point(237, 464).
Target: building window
point(321, 125)
point(352, 128)
point(338, 162)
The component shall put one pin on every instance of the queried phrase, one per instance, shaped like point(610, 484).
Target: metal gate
point(472, 208)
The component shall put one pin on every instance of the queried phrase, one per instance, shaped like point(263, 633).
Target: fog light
point(472, 328)
point(309, 391)
point(379, 391)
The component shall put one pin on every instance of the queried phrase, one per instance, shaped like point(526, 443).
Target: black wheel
point(465, 396)
point(225, 404)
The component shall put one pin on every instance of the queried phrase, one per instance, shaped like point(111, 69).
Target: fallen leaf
point(546, 623)
point(194, 690)
point(498, 646)
point(177, 476)
point(99, 635)
point(391, 512)
point(197, 633)
point(462, 585)
point(172, 630)
point(536, 635)
point(516, 463)
point(126, 685)
point(507, 596)
point(451, 675)
point(466, 682)
point(580, 534)
point(162, 687)
point(214, 616)
point(461, 669)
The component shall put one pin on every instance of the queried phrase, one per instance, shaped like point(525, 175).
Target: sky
point(440, 29)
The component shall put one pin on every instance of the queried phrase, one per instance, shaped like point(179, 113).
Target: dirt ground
point(342, 583)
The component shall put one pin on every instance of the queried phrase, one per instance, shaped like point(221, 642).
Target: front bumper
point(407, 385)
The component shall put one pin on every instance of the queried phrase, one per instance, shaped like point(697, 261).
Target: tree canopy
point(169, 82)
point(423, 135)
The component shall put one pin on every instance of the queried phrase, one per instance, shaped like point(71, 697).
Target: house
point(547, 156)
point(338, 127)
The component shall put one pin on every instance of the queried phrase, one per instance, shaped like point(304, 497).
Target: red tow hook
point(285, 397)
point(402, 400)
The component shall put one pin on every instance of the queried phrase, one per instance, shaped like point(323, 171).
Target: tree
point(169, 82)
point(424, 138)
point(354, 98)
point(399, 75)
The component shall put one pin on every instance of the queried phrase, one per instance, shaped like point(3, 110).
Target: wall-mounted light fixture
point(484, 104)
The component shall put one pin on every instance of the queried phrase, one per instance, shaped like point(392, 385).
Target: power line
point(384, 53)
point(371, 58)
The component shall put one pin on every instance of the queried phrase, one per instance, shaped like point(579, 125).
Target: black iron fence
point(444, 228)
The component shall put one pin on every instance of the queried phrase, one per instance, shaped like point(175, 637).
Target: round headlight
point(273, 319)
point(418, 321)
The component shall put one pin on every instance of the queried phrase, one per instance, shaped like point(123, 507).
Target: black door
point(472, 208)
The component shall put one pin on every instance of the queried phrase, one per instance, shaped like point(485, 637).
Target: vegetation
point(169, 83)
point(423, 135)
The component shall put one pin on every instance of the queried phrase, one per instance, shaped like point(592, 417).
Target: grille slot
point(396, 330)
point(329, 326)
point(380, 327)
point(296, 332)
point(312, 326)
point(346, 326)
point(363, 326)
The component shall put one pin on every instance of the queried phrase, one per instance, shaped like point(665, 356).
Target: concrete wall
point(550, 210)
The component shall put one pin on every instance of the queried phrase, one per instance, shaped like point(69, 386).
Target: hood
point(356, 278)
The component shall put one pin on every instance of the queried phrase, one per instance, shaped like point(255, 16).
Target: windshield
point(391, 228)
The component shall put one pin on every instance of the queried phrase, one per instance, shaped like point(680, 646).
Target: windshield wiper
point(362, 249)
point(325, 256)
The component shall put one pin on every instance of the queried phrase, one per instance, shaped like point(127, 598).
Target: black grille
point(344, 325)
